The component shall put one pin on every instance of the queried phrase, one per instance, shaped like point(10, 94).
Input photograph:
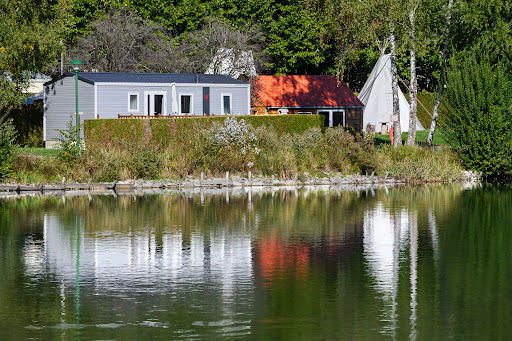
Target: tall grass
point(419, 163)
point(235, 146)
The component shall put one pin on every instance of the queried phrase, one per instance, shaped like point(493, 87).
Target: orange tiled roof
point(304, 91)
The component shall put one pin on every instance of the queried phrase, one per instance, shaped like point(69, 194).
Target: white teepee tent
point(377, 97)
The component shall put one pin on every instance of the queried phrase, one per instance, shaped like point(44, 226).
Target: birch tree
point(440, 89)
point(413, 84)
point(374, 23)
point(397, 129)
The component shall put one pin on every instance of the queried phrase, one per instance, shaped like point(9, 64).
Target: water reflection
point(370, 263)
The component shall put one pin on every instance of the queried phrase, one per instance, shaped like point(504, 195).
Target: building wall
point(59, 105)
point(113, 99)
point(239, 99)
point(353, 116)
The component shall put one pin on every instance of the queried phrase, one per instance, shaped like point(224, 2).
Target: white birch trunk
point(397, 131)
point(440, 90)
point(413, 88)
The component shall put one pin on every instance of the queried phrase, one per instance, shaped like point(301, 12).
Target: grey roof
point(122, 77)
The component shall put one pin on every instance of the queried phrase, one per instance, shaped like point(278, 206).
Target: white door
point(155, 103)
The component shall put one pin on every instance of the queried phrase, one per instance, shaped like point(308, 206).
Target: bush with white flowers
point(233, 134)
point(232, 145)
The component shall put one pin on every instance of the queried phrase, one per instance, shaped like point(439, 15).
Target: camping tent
point(377, 97)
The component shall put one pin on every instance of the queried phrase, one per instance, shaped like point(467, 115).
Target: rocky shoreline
point(226, 182)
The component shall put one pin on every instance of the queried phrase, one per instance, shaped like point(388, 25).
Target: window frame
point(230, 95)
point(191, 104)
point(129, 101)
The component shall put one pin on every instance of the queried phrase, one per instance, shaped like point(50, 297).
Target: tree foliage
point(477, 117)
point(484, 26)
point(30, 40)
point(8, 146)
point(217, 41)
point(121, 41)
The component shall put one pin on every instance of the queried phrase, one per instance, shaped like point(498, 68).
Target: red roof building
point(305, 94)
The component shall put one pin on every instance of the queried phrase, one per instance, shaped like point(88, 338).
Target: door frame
point(149, 106)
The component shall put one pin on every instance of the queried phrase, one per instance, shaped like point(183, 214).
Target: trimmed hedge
point(163, 132)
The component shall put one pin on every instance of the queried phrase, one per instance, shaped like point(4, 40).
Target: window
point(133, 102)
point(186, 104)
point(333, 118)
point(226, 104)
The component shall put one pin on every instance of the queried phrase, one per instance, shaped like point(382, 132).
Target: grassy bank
point(421, 137)
point(237, 147)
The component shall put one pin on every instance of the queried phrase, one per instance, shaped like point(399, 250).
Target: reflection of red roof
point(304, 91)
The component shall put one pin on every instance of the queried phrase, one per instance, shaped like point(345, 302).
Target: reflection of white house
point(110, 258)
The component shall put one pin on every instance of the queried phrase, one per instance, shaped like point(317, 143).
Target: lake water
point(407, 263)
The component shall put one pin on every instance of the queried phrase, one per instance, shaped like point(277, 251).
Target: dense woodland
point(342, 37)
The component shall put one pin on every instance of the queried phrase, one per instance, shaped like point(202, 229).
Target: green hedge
point(177, 130)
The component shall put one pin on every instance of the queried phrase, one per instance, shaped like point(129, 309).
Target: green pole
point(76, 66)
point(76, 112)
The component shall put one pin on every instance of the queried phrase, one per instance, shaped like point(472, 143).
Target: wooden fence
point(167, 116)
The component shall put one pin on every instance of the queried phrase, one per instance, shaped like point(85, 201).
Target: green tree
point(8, 146)
point(477, 116)
point(484, 26)
point(30, 40)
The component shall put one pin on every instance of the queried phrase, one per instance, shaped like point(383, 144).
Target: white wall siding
point(197, 95)
point(113, 99)
point(239, 100)
point(60, 105)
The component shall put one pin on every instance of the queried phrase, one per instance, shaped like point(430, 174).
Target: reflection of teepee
point(377, 96)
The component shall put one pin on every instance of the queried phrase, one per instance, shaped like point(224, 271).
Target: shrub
point(340, 146)
point(8, 147)
point(127, 159)
point(28, 121)
point(308, 149)
point(34, 169)
point(69, 146)
point(230, 146)
point(477, 118)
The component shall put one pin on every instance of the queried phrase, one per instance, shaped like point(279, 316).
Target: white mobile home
point(109, 94)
